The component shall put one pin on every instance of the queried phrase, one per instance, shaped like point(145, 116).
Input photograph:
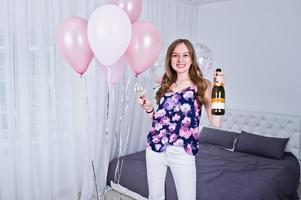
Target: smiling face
point(181, 65)
point(181, 59)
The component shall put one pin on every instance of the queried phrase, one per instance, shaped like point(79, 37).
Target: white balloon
point(204, 59)
point(109, 33)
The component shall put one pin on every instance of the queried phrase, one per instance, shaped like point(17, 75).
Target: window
point(7, 103)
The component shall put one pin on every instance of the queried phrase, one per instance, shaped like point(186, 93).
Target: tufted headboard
point(268, 124)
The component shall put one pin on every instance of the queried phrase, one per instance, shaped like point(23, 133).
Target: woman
point(173, 138)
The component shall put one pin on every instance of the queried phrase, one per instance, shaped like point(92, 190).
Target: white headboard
point(269, 124)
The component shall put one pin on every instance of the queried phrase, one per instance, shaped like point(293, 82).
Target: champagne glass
point(140, 91)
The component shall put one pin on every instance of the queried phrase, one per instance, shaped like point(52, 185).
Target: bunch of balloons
point(114, 35)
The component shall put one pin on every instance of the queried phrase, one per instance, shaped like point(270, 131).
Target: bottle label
point(218, 103)
point(218, 100)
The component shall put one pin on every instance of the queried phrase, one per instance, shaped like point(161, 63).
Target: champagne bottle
point(218, 97)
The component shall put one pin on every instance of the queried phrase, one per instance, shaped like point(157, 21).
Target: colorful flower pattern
point(176, 122)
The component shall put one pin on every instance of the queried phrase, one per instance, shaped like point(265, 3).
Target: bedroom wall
point(257, 43)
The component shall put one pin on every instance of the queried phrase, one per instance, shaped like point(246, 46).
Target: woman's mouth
point(180, 65)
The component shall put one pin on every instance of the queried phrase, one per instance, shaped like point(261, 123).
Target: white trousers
point(182, 166)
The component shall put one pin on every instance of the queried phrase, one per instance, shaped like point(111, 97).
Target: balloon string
point(118, 169)
point(127, 84)
point(108, 105)
point(107, 120)
point(130, 123)
point(86, 101)
point(95, 182)
point(108, 95)
point(86, 105)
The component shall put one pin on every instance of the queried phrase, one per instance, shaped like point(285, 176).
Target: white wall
point(174, 19)
point(257, 43)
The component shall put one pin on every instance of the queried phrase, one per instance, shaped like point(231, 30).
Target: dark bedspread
point(221, 175)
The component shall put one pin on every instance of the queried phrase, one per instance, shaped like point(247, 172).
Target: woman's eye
point(186, 55)
point(175, 56)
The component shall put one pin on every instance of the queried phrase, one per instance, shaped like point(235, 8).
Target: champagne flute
point(140, 92)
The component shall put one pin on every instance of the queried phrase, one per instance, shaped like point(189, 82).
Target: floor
point(113, 195)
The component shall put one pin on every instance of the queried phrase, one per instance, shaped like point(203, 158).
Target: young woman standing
point(173, 138)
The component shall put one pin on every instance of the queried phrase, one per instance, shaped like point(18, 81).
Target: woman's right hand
point(145, 103)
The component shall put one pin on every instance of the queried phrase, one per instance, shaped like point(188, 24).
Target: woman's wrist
point(150, 111)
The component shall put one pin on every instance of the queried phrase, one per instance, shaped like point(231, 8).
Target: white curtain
point(54, 123)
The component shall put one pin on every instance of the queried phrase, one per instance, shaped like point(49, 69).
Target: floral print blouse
point(176, 121)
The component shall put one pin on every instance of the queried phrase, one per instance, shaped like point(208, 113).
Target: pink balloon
point(116, 70)
point(73, 44)
point(131, 7)
point(145, 46)
point(109, 33)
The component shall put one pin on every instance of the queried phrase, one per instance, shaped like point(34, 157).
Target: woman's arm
point(215, 120)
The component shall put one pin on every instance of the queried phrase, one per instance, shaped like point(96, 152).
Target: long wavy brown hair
point(195, 74)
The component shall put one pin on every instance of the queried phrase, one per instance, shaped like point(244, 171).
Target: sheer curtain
point(54, 123)
point(43, 131)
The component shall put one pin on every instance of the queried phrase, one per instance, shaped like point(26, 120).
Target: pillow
point(271, 147)
point(217, 137)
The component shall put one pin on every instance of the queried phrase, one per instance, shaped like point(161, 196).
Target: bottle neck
point(214, 80)
point(218, 84)
point(215, 83)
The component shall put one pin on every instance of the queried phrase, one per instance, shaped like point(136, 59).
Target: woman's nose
point(180, 58)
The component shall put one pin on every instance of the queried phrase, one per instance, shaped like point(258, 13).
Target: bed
point(242, 171)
